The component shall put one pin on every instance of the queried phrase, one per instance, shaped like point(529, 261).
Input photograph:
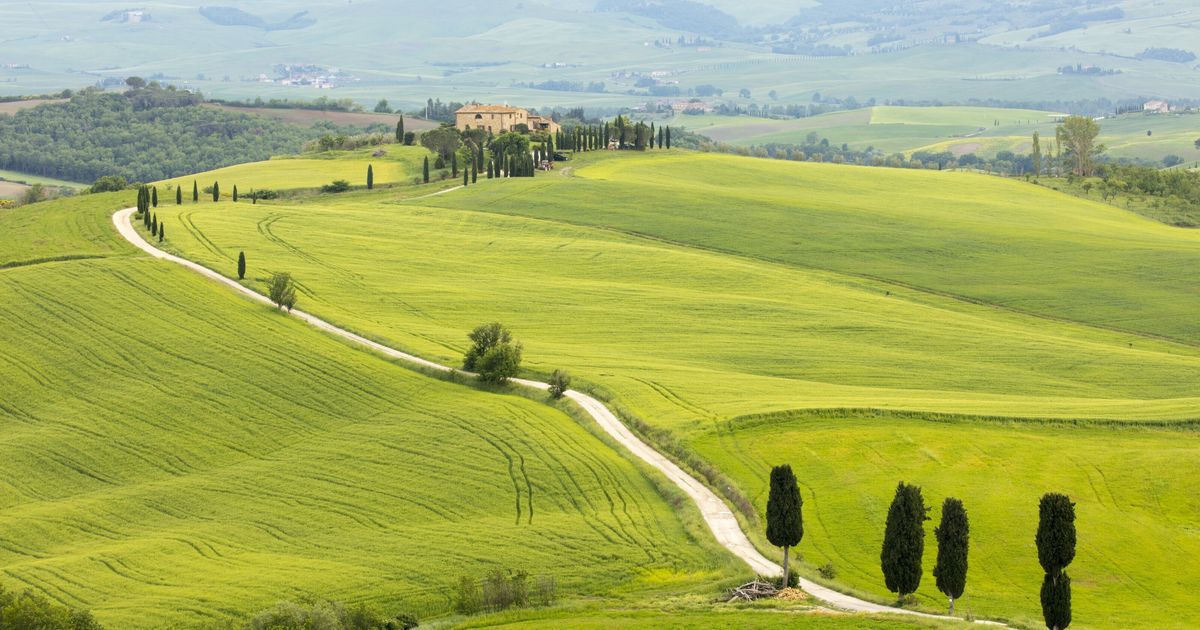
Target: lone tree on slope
point(179, 196)
point(400, 130)
point(904, 541)
point(785, 523)
point(560, 382)
point(426, 169)
point(1056, 549)
point(216, 191)
point(1078, 135)
point(235, 193)
point(370, 177)
point(241, 268)
point(952, 536)
point(493, 354)
point(282, 291)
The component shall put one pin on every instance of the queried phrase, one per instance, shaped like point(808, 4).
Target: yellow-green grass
point(174, 455)
point(400, 165)
point(717, 618)
point(25, 178)
point(1135, 494)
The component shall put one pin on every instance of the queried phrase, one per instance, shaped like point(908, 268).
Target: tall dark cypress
point(241, 267)
point(953, 536)
point(161, 228)
point(466, 178)
point(454, 164)
point(179, 196)
point(660, 137)
point(154, 196)
point(216, 191)
point(668, 138)
point(651, 135)
point(400, 130)
point(370, 177)
point(785, 523)
point(426, 169)
point(904, 541)
point(195, 191)
point(235, 196)
point(154, 225)
point(1056, 549)
point(474, 174)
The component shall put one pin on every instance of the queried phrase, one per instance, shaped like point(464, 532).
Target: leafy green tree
point(785, 523)
point(904, 540)
point(560, 382)
point(1056, 549)
point(29, 611)
point(109, 183)
point(382, 107)
point(241, 266)
point(282, 290)
point(370, 177)
point(443, 141)
point(426, 169)
point(484, 338)
point(1078, 135)
point(500, 363)
point(216, 191)
point(952, 534)
point(179, 196)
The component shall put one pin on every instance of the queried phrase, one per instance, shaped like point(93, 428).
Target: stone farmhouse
point(501, 118)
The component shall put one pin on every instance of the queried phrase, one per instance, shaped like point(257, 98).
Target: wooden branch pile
point(751, 591)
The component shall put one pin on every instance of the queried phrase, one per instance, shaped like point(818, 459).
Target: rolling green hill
point(173, 455)
point(763, 311)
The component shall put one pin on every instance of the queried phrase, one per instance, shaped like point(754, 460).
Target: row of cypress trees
point(904, 542)
point(638, 136)
point(148, 198)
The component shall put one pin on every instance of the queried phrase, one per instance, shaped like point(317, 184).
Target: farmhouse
point(1157, 107)
point(501, 118)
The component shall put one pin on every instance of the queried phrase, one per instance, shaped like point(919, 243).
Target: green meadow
point(732, 618)
point(398, 165)
point(173, 455)
point(755, 309)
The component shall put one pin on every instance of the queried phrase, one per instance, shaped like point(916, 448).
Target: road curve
point(716, 513)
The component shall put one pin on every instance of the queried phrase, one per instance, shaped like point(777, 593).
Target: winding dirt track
point(716, 513)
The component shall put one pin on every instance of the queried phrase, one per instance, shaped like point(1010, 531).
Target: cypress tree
point(1056, 549)
point(195, 191)
point(660, 137)
point(651, 135)
point(161, 228)
point(474, 174)
point(179, 196)
point(400, 130)
point(154, 225)
point(235, 193)
point(253, 197)
point(426, 169)
point(216, 191)
point(154, 196)
point(489, 169)
point(785, 523)
point(466, 178)
point(904, 541)
point(241, 268)
point(952, 534)
point(668, 138)
point(370, 177)
point(454, 164)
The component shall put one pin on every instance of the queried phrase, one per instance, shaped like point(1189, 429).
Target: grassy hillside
point(687, 619)
point(400, 164)
point(695, 289)
point(174, 455)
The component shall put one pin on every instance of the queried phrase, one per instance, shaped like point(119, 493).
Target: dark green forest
point(145, 134)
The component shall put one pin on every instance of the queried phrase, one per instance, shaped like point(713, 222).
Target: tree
point(400, 130)
point(282, 291)
point(474, 174)
point(1056, 549)
point(785, 523)
point(235, 195)
point(466, 178)
point(1037, 154)
point(195, 191)
point(484, 338)
point(668, 137)
point(154, 196)
point(154, 225)
point(161, 228)
point(370, 177)
point(1198, 144)
point(560, 382)
point(443, 141)
point(241, 268)
point(382, 107)
point(1078, 135)
point(179, 196)
point(904, 541)
point(216, 191)
point(426, 169)
point(454, 164)
point(952, 536)
point(500, 363)
point(109, 183)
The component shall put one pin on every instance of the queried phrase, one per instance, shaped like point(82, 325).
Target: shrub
point(109, 183)
point(468, 601)
point(30, 610)
point(793, 579)
point(266, 194)
point(560, 382)
point(827, 571)
point(326, 616)
point(282, 291)
point(547, 590)
point(338, 186)
point(505, 589)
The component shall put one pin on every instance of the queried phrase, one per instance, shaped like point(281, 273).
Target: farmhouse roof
point(494, 109)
